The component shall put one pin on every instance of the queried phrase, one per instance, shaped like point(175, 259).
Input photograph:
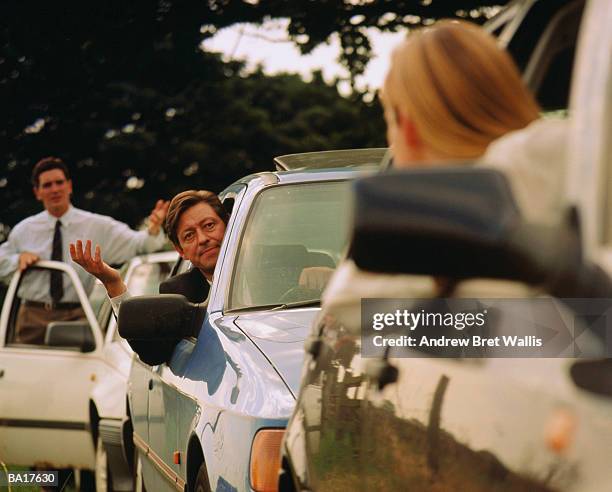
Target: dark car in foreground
point(405, 420)
point(413, 417)
point(209, 412)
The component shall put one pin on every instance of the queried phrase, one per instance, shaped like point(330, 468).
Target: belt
point(51, 306)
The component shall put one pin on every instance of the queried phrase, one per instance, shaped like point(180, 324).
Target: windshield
point(291, 228)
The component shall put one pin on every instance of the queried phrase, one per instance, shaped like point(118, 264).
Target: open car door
point(45, 388)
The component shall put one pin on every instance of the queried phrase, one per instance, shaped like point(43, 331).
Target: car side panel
point(323, 440)
point(61, 435)
point(108, 394)
point(453, 425)
point(229, 390)
point(138, 394)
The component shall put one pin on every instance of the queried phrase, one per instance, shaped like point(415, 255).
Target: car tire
point(138, 480)
point(201, 483)
point(103, 478)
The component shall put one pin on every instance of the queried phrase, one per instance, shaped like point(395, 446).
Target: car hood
point(280, 335)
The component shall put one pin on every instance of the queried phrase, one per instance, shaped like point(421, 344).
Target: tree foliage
point(125, 94)
point(313, 22)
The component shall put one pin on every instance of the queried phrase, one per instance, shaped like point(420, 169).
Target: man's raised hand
point(157, 217)
point(110, 278)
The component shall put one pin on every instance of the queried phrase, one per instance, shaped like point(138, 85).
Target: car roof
point(331, 174)
point(306, 176)
point(331, 159)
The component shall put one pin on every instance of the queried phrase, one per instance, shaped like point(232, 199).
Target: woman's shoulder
point(544, 139)
point(535, 160)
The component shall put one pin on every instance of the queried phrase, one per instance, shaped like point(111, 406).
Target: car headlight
point(266, 460)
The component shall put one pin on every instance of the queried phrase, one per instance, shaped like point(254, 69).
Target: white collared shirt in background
point(117, 241)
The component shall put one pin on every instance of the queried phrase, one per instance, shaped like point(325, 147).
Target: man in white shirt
point(45, 295)
point(195, 223)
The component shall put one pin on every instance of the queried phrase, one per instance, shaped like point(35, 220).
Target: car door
point(170, 408)
point(589, 177)
point(143, 276)
point(327, 445)
point(44, 408)
point(478, 424)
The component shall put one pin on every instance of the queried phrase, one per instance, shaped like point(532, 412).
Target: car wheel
point(201, 483)
point(103, 478)
point(138, 480)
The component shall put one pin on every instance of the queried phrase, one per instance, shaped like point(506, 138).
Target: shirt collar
point(65, 219)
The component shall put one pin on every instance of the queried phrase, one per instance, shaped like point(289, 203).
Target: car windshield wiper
point(261, 307)
point(290, 305)
point(277, 307)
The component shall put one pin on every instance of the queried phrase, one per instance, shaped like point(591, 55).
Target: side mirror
point(71, 334)
point(463, 222)
point(457, 222)
point(153, 325)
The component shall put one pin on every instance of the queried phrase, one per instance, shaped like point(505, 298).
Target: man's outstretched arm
point(12, 259)
point(110, 278)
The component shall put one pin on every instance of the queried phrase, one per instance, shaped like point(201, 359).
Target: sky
point(269, 45)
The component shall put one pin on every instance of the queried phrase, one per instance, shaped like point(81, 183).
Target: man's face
point(200, 232)
point(54, 191)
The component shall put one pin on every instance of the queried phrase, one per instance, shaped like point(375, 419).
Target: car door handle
point(150, 384)
point(1, 373)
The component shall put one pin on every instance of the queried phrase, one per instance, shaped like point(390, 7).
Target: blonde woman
point(452, 95)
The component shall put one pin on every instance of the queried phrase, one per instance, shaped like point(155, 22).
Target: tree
point(139, 112)
point(123, 92)
point(313, 22)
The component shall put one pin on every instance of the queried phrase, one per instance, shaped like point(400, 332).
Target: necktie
point(56, 287)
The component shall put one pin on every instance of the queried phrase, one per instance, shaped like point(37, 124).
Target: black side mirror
point(70, 334)
point(458, 222)
point(463, 222)
point(153, 325)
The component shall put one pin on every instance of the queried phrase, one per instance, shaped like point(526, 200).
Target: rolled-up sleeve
point(116, 301)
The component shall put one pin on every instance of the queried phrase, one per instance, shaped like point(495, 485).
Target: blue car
point(211, 415)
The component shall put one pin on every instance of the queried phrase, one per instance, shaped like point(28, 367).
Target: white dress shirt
point(117, 241)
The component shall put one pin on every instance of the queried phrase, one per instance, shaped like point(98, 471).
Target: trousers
point(32, 322)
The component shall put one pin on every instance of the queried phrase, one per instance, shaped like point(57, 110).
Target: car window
point(97, 297)
point(32, 318)
point(290, 228)
point(145, 278)
point(100, 304)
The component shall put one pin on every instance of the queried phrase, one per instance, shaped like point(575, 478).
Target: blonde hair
point(458, 88)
